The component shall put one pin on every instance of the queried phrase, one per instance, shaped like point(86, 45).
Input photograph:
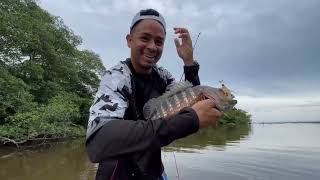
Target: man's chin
point(148, 66)
point(150, 62)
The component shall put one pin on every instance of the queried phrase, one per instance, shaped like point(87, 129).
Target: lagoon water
point(260, 151)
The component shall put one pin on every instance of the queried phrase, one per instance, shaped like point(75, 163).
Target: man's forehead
point(158, 36)
point(149, 26)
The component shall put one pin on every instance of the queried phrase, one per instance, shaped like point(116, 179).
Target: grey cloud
point(258, 47)
point(269, 51)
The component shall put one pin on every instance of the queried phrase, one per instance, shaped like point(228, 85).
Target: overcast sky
point(267, 51)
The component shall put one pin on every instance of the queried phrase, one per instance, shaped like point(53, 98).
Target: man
point(119, 138)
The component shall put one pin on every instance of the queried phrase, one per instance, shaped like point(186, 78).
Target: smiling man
point(146, 42)
point(124, 143)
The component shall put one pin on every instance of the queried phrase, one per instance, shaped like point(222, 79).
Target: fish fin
point(149, 108)
point(176, 88)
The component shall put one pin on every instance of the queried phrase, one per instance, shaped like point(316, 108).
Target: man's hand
point(207, 113)
point(184, 48)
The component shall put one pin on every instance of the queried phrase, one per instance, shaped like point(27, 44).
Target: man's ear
point(129, 40)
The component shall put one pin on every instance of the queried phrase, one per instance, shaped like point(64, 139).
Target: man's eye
point(144, 39)
point(159, 43)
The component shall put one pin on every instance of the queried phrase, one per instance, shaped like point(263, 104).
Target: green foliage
point(53, 120)
point(41, 50)
point(46, 83)
point(235, 116)
point(14, 95)
point(28, 31)
point(62, 109)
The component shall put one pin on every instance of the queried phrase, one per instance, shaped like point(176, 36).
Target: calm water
point(273, 151)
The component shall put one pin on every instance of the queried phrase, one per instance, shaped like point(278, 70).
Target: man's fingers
point(177, 42)
point(184, 35)
point(214, 109)
point(180, 30)
point(217, 112)
point(210, 102)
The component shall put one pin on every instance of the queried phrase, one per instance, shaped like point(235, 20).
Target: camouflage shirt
point(111, 101)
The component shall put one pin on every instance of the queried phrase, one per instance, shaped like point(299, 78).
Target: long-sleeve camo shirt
point(127, 141)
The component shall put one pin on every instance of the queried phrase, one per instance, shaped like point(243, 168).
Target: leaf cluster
point(235, 116)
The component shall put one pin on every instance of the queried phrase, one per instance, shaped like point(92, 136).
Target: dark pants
point(122, 168)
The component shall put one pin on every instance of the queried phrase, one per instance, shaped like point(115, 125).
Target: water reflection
point(62, 161)
point(69, 160)
point(218, 137)
point(275, 151)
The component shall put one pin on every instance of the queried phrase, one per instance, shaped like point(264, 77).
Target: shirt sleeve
point(191, 73)
point(122, 138)
point(111, 99)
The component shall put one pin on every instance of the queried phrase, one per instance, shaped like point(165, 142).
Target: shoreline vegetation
point(46, 82)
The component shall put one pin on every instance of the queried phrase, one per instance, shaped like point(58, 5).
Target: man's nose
point(152, 45)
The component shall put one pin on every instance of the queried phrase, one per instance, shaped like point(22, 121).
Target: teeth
point(150, 56)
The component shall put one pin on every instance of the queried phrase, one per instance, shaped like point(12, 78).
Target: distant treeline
point(289, 122)
point(46, 82)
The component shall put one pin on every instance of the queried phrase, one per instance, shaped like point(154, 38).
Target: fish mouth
point(227, 105)
point(234, 102)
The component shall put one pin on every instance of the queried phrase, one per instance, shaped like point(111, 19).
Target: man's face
point(146, 42)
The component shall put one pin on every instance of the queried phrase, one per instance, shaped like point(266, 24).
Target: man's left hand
point(184, 48)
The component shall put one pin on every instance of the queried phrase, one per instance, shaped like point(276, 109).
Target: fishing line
point(175, 160)
point(194, 45)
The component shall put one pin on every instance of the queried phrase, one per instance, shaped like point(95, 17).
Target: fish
point(184, 94)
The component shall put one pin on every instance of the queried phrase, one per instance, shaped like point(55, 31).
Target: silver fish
point(184, 94)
